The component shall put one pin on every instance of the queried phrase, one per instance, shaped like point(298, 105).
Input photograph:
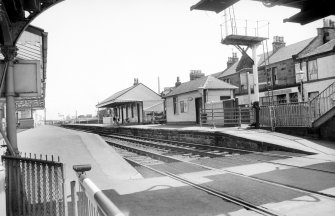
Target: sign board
point(27, 78)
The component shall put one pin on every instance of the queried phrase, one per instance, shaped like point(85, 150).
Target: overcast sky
point(98, 47)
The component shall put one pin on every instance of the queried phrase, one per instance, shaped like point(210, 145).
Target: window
point(268, 76)
point(205, 95)
point(126, 111)
point(281, 99)
point(182, 110)
point(244, 81)
point(265, 101)
point(183, 106)
point(224, 97)
point(175, 101)
point(312, 70)
point(312, 95)
point(275, 75)
point(293, 97)
point(132, 110)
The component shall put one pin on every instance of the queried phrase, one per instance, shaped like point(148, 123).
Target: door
point(198, 105)
point(122, 117)
point(138, 113)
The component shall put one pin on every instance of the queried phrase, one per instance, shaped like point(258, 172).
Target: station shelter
point(136, 104)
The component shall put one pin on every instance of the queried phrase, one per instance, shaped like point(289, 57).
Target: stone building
point(133, 105)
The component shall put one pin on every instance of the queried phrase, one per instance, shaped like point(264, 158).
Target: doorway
point(138, 113)
point(198, 106)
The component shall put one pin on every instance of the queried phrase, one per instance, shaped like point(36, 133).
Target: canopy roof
point(310, 10)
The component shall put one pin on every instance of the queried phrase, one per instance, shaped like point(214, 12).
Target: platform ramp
point(75, 147)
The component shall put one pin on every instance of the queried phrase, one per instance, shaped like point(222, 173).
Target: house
point(239, 73)
point(185, 101)
point(317, 66)
point(133, 105)
point(281, 69)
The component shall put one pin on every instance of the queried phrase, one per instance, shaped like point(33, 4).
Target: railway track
point(152, 153)
point(248, 155)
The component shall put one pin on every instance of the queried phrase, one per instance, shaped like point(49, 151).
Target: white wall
point(189, 116)
point(142, 93)
point(326, 67)
point(189, 98)
point(316, 86)
point(214, 95)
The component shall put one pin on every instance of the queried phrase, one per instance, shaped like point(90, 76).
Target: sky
point(97, 47)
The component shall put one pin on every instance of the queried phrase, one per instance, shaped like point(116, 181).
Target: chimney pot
point(278, 42)
point(178, 82)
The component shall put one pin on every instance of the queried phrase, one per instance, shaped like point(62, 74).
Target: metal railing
point(154, 117)
point(34, 186)
point(215, 114)
point(301, 114)
point(286, 115)
point(323, 102)
point(245, 27)
point(91, 200)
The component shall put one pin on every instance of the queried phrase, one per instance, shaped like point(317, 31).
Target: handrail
point(319, 95)
point(94, 194)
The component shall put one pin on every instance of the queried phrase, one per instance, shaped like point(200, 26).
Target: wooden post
point(74, 199)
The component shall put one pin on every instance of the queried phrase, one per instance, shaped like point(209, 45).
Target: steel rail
point(219, 148)
point(172, 147)
point(325, 195)
point(238, 150)
point(225, 196)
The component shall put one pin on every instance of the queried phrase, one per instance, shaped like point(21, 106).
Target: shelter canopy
point(310, 10)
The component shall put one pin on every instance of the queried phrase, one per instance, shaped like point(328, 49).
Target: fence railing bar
point(44, 186)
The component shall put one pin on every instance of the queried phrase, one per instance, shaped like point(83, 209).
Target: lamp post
point(301, 78)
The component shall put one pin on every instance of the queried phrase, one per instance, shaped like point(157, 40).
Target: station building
point(185, 101)
point(136, 104)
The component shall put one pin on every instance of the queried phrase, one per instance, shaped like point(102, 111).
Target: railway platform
point(136, 194)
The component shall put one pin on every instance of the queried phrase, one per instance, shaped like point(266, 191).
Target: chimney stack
point(196, 74)
point(327, 32)
point(135, 81)
point(232, 60)
point(178, 82)
point(278, 42)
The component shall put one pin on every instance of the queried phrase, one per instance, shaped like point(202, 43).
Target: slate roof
point(207, 82)
point(287, 52)
point(329, 46)
point(114, 97)
point(229, 71)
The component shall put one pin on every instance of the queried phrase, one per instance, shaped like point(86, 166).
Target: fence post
point(239, 117)
point(200, 116)
point(256, 107)
point(74, 199)
point(212, 115)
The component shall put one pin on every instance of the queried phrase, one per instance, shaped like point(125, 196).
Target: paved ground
point(163, 196)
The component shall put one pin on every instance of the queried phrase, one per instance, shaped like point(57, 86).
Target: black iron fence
point(216, 114)
point(34, 186)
